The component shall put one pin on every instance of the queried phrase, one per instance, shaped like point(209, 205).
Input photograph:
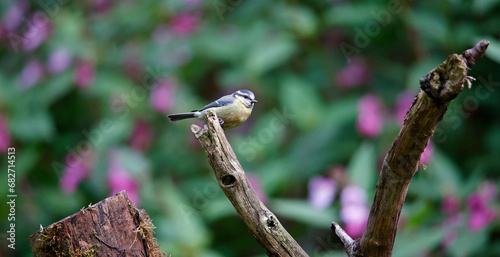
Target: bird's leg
point(221, 121)
point(469, 80)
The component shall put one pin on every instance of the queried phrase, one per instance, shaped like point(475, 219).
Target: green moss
point(50, 241)
point(53, 242)
point(90, 252)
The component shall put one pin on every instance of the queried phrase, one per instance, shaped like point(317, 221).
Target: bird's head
point(246, 97)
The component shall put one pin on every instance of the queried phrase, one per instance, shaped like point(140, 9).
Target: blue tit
point(232, 110)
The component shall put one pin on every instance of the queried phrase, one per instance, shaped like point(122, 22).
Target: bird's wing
point(219, 103)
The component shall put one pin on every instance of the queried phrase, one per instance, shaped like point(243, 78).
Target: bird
point(232, 110)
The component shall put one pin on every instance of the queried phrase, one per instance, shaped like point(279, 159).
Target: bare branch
point(439, 87)
point(261, 223)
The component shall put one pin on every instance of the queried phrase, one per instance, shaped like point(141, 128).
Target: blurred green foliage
point(291, 55)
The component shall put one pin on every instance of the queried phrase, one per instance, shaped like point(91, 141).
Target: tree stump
point(112, 227)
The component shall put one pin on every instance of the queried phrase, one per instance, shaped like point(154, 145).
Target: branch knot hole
point(271, 223)
point(228, 180)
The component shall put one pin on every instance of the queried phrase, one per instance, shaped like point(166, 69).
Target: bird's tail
point(181, 116)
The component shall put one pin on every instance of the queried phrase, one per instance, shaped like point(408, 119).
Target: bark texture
point(112, 227)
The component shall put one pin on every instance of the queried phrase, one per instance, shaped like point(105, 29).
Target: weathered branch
point(439, 87)
point(262, 223)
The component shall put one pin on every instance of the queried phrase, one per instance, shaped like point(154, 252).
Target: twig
point(439, 87)
point(261, 223)
point(351, 247)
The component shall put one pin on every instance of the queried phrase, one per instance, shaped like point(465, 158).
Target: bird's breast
point(233, 116)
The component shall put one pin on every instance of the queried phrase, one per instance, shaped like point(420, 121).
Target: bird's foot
point(221, 121)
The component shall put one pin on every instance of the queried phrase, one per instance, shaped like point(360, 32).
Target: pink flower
point(84, 74)
point(77, 169)
point(488, 191)
point(403, 104)
point(480, 219)
point(478, 203)
point(141, 136)
point(256, 184)
point(355, 217)
point(162, 96)
point(321, 192)
point(14, 16)
point(38, 31)
point(5, 140)
point(426, 156)
point(369, 122)
point(184, 24)
point(31, 74)
point(352, 195)
point(355, 73)
point(354, 211)
point(59, 61)
point(102, 5)
point(119, 179)
point(450, 205)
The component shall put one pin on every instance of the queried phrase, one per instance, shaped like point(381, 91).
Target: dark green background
point(288, 53)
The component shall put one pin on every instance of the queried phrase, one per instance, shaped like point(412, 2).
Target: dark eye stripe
point(245, 93)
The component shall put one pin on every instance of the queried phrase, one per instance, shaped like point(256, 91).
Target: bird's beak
point(253, 101)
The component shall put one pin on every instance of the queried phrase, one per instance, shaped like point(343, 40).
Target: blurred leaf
point(440, 178)
point(468, 243)
point(445, 172)
point(61, 204)
point(134, 161)
point(329, 143)
point(418, 212)
point(302, 211)
point(265, 138)
point(269, 53)
point(26, 159)
point(33, 126)
point(362, 167)
point(493, 51)
point(226, 45)
point(68, 32)
point(218, 208)
point(430, 25)
point(106, 133)
point(273, 181)
point(184, 229)
point(301, 102)
point(416, 243)
point(9, 94)
point(108, 83)
point(352, 14)
point(55, 88)
point(298, 18)
point(482, 6)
